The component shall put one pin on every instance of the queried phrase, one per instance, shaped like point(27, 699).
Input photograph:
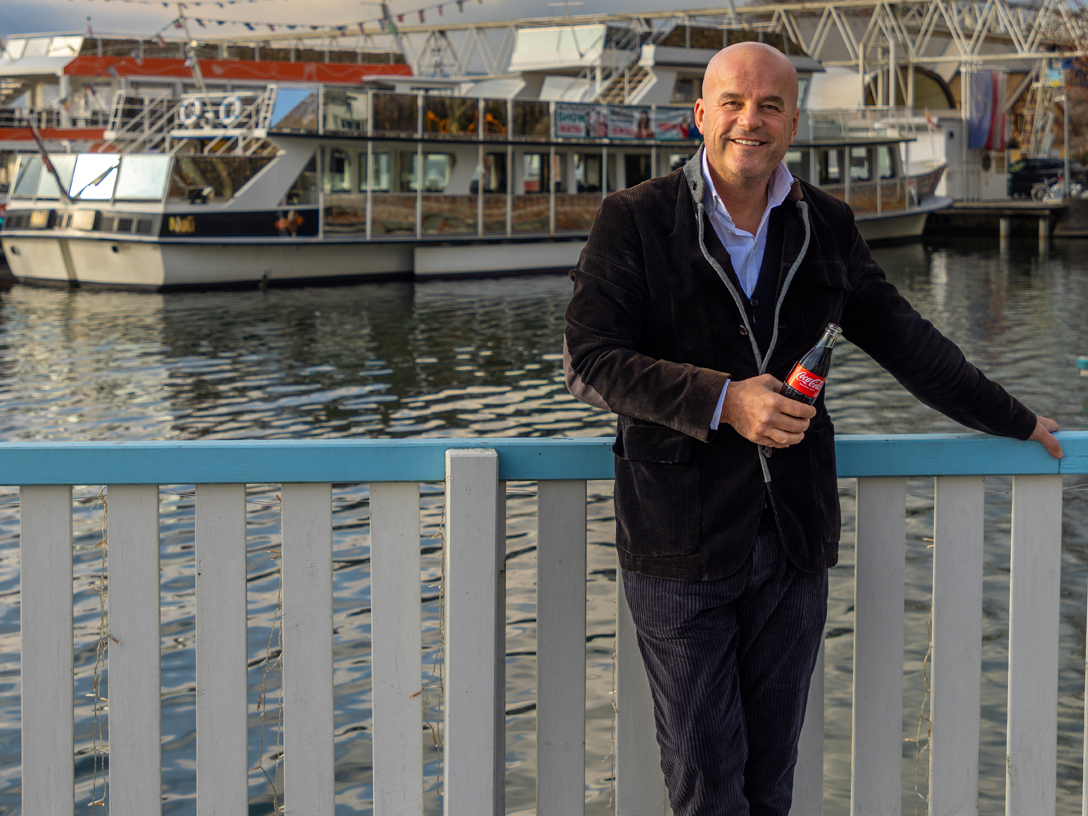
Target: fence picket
point(561, 650)
point(1035, 589)
point(135, 773)
point(878, 647)
point(45, 541)
point(640, 783)
point(396, 626)
point(474, 751)
point(957, 645)
point(222, 785)
point(307, 649)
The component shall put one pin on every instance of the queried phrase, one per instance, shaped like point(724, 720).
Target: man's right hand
point(760, 414)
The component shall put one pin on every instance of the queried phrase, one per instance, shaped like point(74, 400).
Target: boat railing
point(473, 542)
point(51, 118)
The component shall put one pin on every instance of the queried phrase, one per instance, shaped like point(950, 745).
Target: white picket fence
point(474, 623)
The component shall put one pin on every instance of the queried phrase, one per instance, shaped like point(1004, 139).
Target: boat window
point(7, 164)
point(64, 164)
point(294, 109)
point(494, 173)
point(381, 172)
point(200, 179)
point(338, 176)
point(345, 110)
point(94, 177)
point(637, 168)
point(304, 189)
point(861, 161)
point(143, 177)
point(886, 161)
point(437, 168)
point(831, 167)
point(678, 160)
point(26, 176)
point(536, 178)
point(395, 113)
point(532, 120)
point(450, 115)
point(494, 118)
point(797, 163)
point(587, 172)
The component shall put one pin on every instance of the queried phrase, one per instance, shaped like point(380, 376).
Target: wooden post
point(1035, 589)
point(878, 647)
point(222, 783)
point(45, 624)
point(306, 559)
point(134, 669)
point(474, 750)
point(561, 648)
point(396, 626)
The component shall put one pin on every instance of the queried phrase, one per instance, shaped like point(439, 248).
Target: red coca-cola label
point(805, 382)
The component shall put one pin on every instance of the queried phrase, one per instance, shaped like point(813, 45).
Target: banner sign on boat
point(575, 121)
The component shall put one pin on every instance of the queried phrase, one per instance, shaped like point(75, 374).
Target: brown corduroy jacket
point(656, 325)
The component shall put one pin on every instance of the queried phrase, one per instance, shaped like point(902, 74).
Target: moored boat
point(258, 187)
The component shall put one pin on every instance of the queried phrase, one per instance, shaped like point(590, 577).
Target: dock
point(1058, 219)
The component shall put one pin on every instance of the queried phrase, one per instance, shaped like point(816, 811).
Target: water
point(483, 358)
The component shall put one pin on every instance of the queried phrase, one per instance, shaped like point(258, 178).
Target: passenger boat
point(316, 184)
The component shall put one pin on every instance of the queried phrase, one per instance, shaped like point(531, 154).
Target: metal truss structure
point(861, 33)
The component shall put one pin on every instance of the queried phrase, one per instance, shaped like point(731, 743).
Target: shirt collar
point(778, 187)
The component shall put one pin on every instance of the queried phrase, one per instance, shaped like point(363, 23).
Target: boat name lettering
point(182, 224)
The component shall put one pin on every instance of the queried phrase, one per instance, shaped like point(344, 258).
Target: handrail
point(422, 460)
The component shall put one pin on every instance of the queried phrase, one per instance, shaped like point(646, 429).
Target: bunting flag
point(387, 22)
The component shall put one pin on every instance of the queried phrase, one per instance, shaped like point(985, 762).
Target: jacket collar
point(693, 175)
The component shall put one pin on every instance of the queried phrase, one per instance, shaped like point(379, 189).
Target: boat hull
point(903, 226)
point(162, 266)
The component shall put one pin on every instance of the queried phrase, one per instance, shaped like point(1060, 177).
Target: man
point(694, 296)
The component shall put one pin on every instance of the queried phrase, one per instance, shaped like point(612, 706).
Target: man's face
point(748, 113)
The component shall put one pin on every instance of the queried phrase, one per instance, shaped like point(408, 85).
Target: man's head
point(748, 113)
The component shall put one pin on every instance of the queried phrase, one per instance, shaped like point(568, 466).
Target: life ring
point(191, 111)
point(230, 110)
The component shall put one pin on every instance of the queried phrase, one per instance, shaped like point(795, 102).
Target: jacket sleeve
point(603, 350)
point(881, 322)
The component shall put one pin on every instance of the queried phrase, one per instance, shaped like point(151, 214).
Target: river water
point(483, 358)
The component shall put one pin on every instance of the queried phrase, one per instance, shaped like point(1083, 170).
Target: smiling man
point(693, 298)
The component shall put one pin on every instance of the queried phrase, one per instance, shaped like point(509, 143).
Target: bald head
point(763, 58)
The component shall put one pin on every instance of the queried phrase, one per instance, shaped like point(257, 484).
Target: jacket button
point(743, 330)
point(767, 451)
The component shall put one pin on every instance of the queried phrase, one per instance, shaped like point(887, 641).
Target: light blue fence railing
point(474, 472)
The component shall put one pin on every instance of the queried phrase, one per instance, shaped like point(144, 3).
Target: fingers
point(1049, 424)
point(1043, 434)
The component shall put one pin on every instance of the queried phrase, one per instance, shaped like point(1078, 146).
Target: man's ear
point(700, 112)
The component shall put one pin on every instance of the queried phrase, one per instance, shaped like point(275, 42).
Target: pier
point(475, 473)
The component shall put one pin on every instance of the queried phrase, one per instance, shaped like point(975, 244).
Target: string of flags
point(386, 22)
point(220, 3)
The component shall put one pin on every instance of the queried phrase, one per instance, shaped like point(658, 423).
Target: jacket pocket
point(658, 505)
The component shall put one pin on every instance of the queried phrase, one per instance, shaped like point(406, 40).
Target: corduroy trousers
point(729, 664)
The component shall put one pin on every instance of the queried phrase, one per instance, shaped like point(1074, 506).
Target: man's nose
point(749, 117)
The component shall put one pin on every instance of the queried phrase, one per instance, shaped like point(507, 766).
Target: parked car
point(1025, 173)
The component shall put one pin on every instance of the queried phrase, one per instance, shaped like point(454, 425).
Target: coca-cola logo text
point(806, 382)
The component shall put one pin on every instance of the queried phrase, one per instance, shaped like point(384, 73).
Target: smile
point(747, 142)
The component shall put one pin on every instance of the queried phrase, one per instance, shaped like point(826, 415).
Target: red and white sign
point(805, 382)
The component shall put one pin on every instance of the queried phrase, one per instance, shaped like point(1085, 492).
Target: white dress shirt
point(745, 249)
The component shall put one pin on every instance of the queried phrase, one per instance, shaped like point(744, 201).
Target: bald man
point(695, 295)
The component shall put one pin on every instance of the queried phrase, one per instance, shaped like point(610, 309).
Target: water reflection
point(482, 358)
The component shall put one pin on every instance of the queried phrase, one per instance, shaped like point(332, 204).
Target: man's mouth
point(747, 142)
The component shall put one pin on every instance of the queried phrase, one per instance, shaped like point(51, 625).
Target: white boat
point(271, 185)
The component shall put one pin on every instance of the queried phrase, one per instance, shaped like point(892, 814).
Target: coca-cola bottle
point(807, 378)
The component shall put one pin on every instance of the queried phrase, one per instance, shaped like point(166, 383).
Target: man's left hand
point(1044, 434)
